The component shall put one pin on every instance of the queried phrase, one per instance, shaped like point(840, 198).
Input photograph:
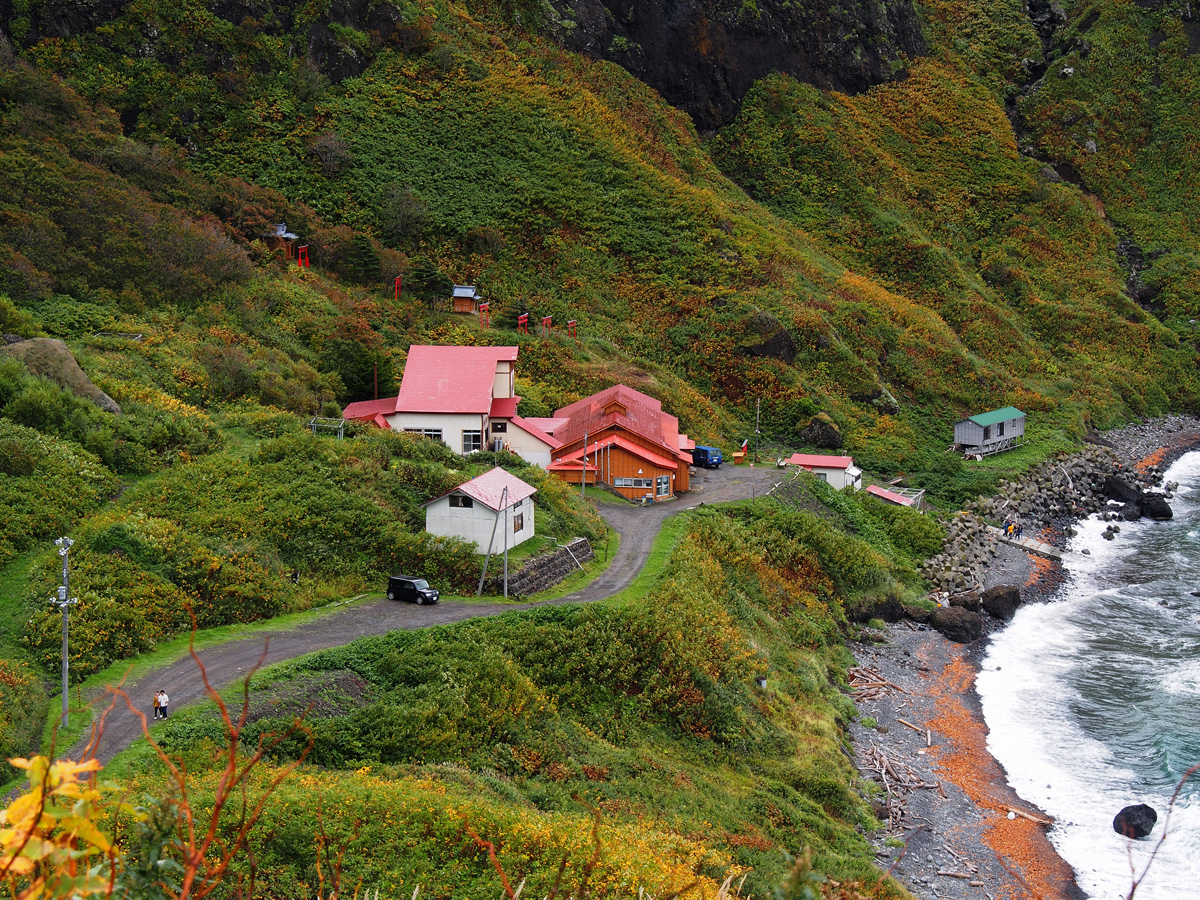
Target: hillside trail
point(229, 662)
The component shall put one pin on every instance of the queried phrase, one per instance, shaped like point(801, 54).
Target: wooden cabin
point(277, 237)
point(631, 445)
point(990, 432)
point(464, 298)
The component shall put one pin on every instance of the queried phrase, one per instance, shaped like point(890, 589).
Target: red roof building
point(839, 471)
point(474, 510)
point(631, 444)
point(462, 396)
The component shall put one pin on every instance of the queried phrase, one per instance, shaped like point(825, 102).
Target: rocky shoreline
point(953, 826)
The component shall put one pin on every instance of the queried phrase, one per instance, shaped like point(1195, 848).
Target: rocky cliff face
point(703, 55)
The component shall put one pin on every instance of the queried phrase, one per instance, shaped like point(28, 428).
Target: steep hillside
point(970, 205)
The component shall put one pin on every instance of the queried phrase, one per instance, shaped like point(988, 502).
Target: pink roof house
point(838, 471)
point(462, 396)
point(470, 510)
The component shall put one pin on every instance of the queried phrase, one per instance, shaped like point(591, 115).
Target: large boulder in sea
point(1155, 506)
point(1120, 490)
point(958, 624)
point(1002, 601)
point(1135, 821)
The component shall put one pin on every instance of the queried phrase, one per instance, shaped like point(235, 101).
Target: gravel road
point(228, 662)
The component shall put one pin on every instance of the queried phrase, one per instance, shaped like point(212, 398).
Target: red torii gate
point(523, 323)
point(485, 315)
point(547, 328)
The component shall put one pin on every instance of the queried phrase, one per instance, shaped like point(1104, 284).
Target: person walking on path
point(157, 697)
point(162, 703)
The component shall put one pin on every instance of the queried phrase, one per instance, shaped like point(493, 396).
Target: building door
point(664, 485)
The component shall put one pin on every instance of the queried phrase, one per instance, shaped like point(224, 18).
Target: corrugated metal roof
point(548, 424)
point(529, 428)
point(466, 290)
point(890, 496)
point(450, 379)
point(488, 489)
point(636, 449)
point(996, 415)
point(820, 461)
point(368, 409)
point(504, 407)
point(642, 416)
point(569, 465)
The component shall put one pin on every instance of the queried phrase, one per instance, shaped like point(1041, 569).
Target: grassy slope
point(645, 711)
point(896, 237)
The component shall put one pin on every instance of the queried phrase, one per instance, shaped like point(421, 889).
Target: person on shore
point(162, 703)
point(1020, 532)
point(157, 697)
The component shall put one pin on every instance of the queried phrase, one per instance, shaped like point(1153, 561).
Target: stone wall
point(541, 572)
point(1048, 496)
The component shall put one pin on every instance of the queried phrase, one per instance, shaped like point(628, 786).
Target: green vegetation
point(518, 725)
point(882, 263)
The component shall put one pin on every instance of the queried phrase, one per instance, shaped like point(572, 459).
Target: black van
point(411, 590)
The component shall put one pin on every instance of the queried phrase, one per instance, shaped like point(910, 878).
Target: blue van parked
point(707, 457)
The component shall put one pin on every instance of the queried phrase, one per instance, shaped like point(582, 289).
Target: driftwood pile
point(898, 779)
point(869, 684)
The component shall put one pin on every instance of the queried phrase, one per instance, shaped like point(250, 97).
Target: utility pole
point(757, 411)
point(64, 603)
point(504, 500)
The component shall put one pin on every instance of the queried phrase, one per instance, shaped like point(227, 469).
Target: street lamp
point(64, 603)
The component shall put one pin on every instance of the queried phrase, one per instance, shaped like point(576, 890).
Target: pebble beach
point(954, 828)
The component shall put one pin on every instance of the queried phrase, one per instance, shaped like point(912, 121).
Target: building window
point(461, 502)
point(634, 482)
point(434, 434)
point(987, 432)
point(472, 441)
point(664, 485)
point(518, 522)
point(1000, 430)
point(822, 476)
point(499, 428)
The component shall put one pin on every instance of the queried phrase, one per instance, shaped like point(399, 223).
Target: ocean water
point(1093, 700)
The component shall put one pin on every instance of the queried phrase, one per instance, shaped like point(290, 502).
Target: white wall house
point(839, 471)
point(463, 397)
point(470, 511)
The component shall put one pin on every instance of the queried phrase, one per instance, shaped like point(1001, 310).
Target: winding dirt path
point(226, 663)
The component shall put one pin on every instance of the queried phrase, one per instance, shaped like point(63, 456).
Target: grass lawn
point(14, 582)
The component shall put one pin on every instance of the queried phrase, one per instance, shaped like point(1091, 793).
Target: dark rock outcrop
point(918, 614)
point(1002, 601)
point(703, 55)
point(821, 431)
point(1135, 821)
point(958, 624)
point(770, 339)
point(1118, 489)
point(1155, 506)
point(889, 609)
point(968, 600)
